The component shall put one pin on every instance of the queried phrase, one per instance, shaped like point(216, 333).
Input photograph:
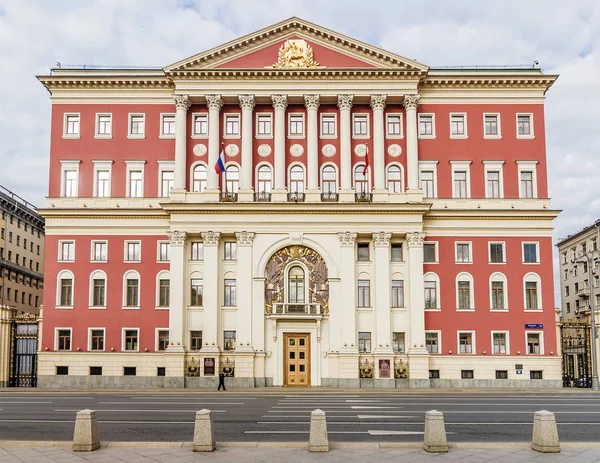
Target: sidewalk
point(13, 452)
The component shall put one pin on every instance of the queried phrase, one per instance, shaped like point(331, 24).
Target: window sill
point(364, 309)
point(497, 263)
point(433, 310)
point(99, 261)
point(499, 310)
point(531, 263)
point(465, 310)
point(328, 137)
point(398, 309)
point(464, 263)
point(459, 137)
point(492, 137)
point(232, 136)
point(199, 136)
point(71, 261)
point(130, 350)
point(163, 261)
point(136, 137)
point(195, 307)
point(264, 136)
point(73, 136)
point(525, 137)
point(132, 261)
point(296, 137)
point(360, 137)
point(533, 310)
point(162, 308)
point(398, 261)
point(97, 307)
point(229, 307)
point(102, 137)
point(169, 136)
point(394, 137)
point(426, 137)
point(64, 307)
point(130, 308)
point(430, 263)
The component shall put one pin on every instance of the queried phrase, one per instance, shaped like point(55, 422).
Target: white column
point(411, 102)
point(244, 291)
point(212, 290)
point(417, 295)
point(348, 282)
point(214, 104)
point(312, 144)
point(177, 306)
point(345, 105)
point(182, 104)
point(381, 244)
point(247, 105)
point(378, 105)
point(280, 105)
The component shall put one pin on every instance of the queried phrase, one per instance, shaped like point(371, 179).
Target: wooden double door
point(296, 353)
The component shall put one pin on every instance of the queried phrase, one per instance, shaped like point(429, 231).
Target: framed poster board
point(209, 366)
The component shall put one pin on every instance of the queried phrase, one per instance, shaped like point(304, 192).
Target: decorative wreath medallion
point(394, 150)
point(360, 150)
point(232, 150)
point(264, 150)
point(200, 150)
point(328, 151)
point(296, 150)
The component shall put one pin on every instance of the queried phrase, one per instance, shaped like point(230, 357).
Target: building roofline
point(595, 224)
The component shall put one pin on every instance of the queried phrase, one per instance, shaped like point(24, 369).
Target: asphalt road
point(285, 416)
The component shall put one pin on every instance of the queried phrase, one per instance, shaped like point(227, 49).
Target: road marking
point(395, 433)
point(18, 403)
point(361, 407)
point(376, 417)
point(305, 432)
point(367, 401)
point(187, 397)
point(176, 403)
point(310, 397)
point(141, 411)
point(308, 411)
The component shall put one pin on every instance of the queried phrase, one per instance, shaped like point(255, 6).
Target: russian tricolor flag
point(220, 164)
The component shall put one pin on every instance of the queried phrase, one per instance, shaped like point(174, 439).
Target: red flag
point(366, 159)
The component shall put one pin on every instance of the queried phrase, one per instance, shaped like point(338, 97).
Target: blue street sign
point(533, 325)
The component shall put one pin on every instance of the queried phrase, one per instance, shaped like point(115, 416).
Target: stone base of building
point(497, 383)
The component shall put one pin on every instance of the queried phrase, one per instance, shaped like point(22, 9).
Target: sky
point(564, 37)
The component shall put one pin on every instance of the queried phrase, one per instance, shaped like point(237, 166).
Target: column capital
point(378, 101)
point(345, 102)
point(279, 101)
point(214, 102)
point(311, 102)
point(411, 101)
point(246, 101)
point(211, 238)
point(182, 102)
point(381, 239)
point(245, 238)
point(177, 238)
point(347, 238)
point(415, 240)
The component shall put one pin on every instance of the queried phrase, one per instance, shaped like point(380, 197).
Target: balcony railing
point(584, 292)
point(303, 310)
point(363, 197)
point(262, 197)
point(329, 197)
point(295, 197)
point(228, 197)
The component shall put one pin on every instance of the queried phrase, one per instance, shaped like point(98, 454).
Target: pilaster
point(411, 103)
point(280, 105)
point(212, 304)
point(5, 326)
point(378, 105)
point(347, 308)
point(247, 105)
point(244, 289)
point(214, 104)
point(312, 106)
point(345, 105)
point(381, 244)
point(182, 104)
point(177, 306)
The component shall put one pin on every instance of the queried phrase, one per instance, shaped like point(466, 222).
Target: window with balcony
point(296, 285)
point(329, 183)
point(199, 179)
point(167, 182)
point(296, 191)
point(394, 179)
point(264, 183)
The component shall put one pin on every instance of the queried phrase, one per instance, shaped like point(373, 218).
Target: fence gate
point(576, 362)
point(23, 353)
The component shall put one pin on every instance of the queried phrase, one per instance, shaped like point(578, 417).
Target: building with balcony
point(298, 208)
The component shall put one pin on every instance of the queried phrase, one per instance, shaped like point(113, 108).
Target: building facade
point(298, 208)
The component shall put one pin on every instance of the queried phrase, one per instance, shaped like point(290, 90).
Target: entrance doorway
point(296, 353)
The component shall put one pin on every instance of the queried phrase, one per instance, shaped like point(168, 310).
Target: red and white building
point(380, 223)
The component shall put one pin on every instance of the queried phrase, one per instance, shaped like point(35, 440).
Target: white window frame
point(65, 274)
point(462, 136)
point(435, 277)
point(506, 337)
point(426, 166)
point(289, 176)
point(425, 137)
point(165, 166)
point(460, 166)
point(531, 134)
point(470, 257)
point(56, 330)
point(337, 175)
point(97, 275)
point(401, 167)
point(193, 129)
point(541, 333)
point(394, 136)
point(99, 166)
point(125, 253)
point(156, 340)
point(493, 166)
point(537, 252)
point(69, 165)
point(495, 277)
point(437, 252)
point(89, 346)
point(503, 243)
point(130, 274)
point(230, 136)
point(162, 275)
point(335, 126)
point(192, 179)
point(263, 135)
point(134, 166)
point(123, 331)
point(289, 121)
point(161, 128)
point(256, 179)
point(528, 166)
point(466, 277)
point(498, 136)
point(97, 133)
point(158, 251)
point(473, 342)
point(439, 338)
point(130, 116)
point(60, 254)
point(105, 242)
point(361, 136)
point(531, 277)
point(65, 125)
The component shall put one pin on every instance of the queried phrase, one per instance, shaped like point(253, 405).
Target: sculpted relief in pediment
point(295, 54)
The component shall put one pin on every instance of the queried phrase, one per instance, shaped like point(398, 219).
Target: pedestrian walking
point(221, 381)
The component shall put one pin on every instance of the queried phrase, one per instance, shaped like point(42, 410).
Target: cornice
point(296, 74)
point(501, 214)
point(102, 82)
point(489, 81)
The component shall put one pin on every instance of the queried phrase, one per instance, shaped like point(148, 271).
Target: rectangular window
point(136, 125)
point(501, 374)
point(104, 124)
point(426, 124)
point(427, 184)
point(64, 340)
point(229, 340)
point(161, 371)
point(133, 251)
point(533, 343)
point(568, 307)
point(499, 340)
point(493, 183)
point(232, 124)
point(396, 252)
point(498, 295)
point(466, 374)
point(264, 125)
point(168, 125)
point(131, 339)
point(164, 292)
point(497, 253)
point(364, 342)
point(67, 251)
point(103, 183)
point(536, 374)
point(530, 253)
point(394, 125)
point(429, 253)
point(491, 125)
point(197, 251)
point(62, 370)
point(434, 374)
point(195, 340)
point(526, 184)
point(531, 302)
point(465, 343)
point(432, 342)
point(95, 371)
point(463, 252)
point(362, 250)
point(163, 251)
point(129, 371)
point(523, 125)
point(230, 293)
point(397, 293)
point(99, 251)
point(398, 341)
point(460, 184)
point(230, 250)
point(72, 124)
point(364, 293)
point(70, 183)
point(201, 124)
point(99, 299)
point(196, 292)
point(361, 125)
point(457, 124)
point(167, 182)
point(430, 294)
point(296, 124)
point(163, 340)
point(133, 292)
point(97, 340)
point(464, 295)
point(328, 125)
point(66, 292)
point(135, 184)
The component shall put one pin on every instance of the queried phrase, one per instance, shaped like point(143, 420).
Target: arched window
point(432, 291)
point(464, 292)
point(232, 177)
point(199, 178)
point(394, 179)
point(532, 291)
point(265, 179)
point(65, 284)
point(163, 290)
point(98, 289)
point(131, 290)
point(328, 180)
point(296, 285)
point(297, 179)
point(361, 181)
point(498, 292)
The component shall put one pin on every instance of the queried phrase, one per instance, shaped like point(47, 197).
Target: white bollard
point(204, 432)
point(86, 437)
point(545, 433)
point(435, 432)
point(318, 440)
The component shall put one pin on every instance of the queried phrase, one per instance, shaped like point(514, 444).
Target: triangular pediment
point(296, 44)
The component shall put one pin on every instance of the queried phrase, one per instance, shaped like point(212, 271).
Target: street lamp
point(591, 258)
